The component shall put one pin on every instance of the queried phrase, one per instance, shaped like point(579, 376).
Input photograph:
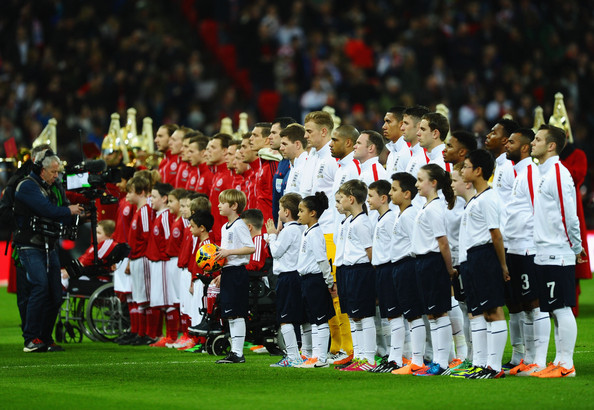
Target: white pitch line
point(99, 364)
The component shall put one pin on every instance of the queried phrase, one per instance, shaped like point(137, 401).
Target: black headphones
point(38, 165)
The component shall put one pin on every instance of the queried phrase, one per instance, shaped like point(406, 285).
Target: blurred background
point(194, 62)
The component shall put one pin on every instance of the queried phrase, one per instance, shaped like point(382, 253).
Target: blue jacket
point(44, 204)
point(279, 183)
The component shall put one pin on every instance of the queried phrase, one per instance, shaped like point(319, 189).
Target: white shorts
point(197, 303)
point(173, 278)
point(140, 280)
point(185, 297)
point(158, 284)
point(121, 280)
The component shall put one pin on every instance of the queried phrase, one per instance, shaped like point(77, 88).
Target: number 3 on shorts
point(551, 286)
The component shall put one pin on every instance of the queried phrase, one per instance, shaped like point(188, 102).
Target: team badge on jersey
point(176, 232)
point(133, 225)
point(126, 211)
point(156, 231)
point(173, 166)
point(185, 173)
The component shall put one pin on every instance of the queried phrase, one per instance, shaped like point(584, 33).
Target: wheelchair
point(261, 323)
point(91, 308)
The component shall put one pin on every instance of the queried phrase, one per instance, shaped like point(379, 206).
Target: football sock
point(369, 338)
point(417, 341)
point(442, 340)
point(467, 332)
point(141, 318)
point(380, 341)
point(237, 330)
point(360, 342)
point(306, 344)
point(288, 331)
point(407, 352)
point(396, 340)
point(478, 326)
point(542, 334)
point(497, 338)
point(515, 337)
point(428, 344)
point(323, 336)
point(528, 330)
point(133, 312)
point(354, 337)
point(457, 321)
point(151, 328)
point(567, 336)
point(335, 336)
point(172, 322)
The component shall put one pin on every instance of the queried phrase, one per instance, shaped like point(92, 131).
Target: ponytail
point(444, 182)
point(317, 202)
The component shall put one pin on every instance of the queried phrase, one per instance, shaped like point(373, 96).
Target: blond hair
point(233, 196)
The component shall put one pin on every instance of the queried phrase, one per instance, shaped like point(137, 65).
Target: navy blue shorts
point(464, 277)
point(434, 283)
point(522, 287)
point(341, 286)
point(360, 290)
point(317, 298)
point(486, 278)
point(407, 290)
point(386, 291)
point(556, 286)
point(458, 286)
point(289, 301)
point(234, 291)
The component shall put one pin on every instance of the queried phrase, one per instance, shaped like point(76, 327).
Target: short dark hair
point(381, 186)
point(347, 131)
point(526, 133)
point(466, 139)
point(224, 138)
point(355, 188)
point(556, 135)
point(375, 139)
point(265, 128)
point(317, 202)
point(397, 111)
point(295, 132)
point(438, 122)
point(407, 183)
point(416, 111)
point(163, 188)
point(482, 158)
point(283, 121)
point(179, 193)
point(290, 202)
point(253, 216)
point(509, 126)
point(203, 218)
point(200, 140)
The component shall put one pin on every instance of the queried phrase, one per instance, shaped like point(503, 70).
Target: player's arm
point(369, 252)
point(497, 239)
point(446, 254)
point(245, 250)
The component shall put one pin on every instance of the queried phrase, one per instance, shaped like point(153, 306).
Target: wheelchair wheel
point(220, 345)
point(72, 333)
point(106, 316)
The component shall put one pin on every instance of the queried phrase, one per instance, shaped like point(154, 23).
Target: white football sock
point(323, 336)
point(497, 338)
point(355, 336)
point(306, 343)
point(314, 341)
point(542, 335)
point(369, 338)
point(428, 343)
point(467, 332)
point(529, 345)
point(396, 340)
point(237, 330)
point(457, 321)
point(382, 346)
point(290, 338)
point(478, 326)
point(417, 341)
point(407, 350)
point(442, 340)
point(515, 337)
point(567, 336)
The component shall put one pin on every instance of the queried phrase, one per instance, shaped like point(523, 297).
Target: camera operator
point(39, 195)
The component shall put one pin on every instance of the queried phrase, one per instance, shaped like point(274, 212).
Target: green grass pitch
point(93, 375)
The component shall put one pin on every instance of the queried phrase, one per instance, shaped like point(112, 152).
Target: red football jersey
point(125, 214)
point(176, 239)
point(140, 230)
point(183, 174)
point(204, 183)
point(169, 173)
point(258, 258)
point(160, 233)
point(221, 180)
point(186, 248)
point(109, 211)
point(237, 181)
point(250, 184)
point(163, 166)
point(192, 181)
point(104, 249)
point(263, 187)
